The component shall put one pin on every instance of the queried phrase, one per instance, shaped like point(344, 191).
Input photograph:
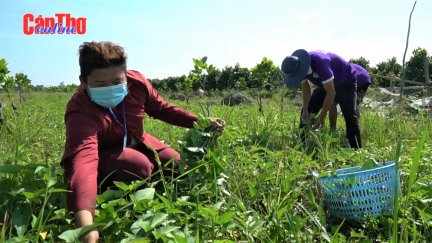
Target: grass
point(256, 184)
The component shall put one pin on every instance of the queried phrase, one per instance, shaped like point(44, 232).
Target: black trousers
point(346, 97)
point(361, 92)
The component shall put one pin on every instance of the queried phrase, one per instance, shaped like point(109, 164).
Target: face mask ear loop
point(124, 126)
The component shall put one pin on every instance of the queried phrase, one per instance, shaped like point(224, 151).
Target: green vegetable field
point(252, 183)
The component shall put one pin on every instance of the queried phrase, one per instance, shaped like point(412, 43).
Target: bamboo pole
point(426, 69)
point(406, 48)
point(392, 78)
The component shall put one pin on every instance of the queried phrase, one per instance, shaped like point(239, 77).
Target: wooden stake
point(426, 69)
point(406, 48)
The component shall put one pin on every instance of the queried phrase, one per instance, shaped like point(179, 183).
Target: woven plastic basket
point(352, 194)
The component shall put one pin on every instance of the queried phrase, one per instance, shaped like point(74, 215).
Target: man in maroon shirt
point(104, 128)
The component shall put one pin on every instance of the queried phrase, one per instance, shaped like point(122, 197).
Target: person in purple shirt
point(363, 81)
point(335, 81)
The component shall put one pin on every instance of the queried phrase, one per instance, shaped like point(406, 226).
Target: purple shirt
point(328, 66)
point(361, 75)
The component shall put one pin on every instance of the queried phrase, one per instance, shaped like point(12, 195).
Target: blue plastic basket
point(353, 194)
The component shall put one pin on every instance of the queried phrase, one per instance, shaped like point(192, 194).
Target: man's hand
point(90, 237)
point(217, 123)
point(319, 122)
point(83, 218)
point(328, 103)
point(305, 116)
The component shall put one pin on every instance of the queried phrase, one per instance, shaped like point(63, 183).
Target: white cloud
point(307, 16)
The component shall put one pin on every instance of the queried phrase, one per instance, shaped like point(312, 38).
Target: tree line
point(266, 72)
point(207, 77)
point(415, 68)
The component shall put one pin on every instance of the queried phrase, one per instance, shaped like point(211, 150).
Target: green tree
point(236, 77)
point(70, 87)
point(361, 61)
point(263, 73)
point(23, 83)
point(226, 80)
point(212, 77)
point(158, 84)
point(3, 69)
point(187, 86)
point(7, 83)
point(51, 88)
point(174, 83)
point(37, 87)
point(415, 66)
point(3, 72)
point(390, 68)
point(240, 77)
point(196, 77)
point(8, 86)
point(276, 78)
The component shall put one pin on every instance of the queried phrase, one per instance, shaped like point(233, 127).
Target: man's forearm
point(306, 94)
point(328, 103)
point(83, 218)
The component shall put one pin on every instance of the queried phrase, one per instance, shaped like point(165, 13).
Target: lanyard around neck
point(113, 116)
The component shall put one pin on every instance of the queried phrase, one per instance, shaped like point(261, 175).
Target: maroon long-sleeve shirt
point(89, 128)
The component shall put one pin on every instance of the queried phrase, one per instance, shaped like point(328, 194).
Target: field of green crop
point(255, 185)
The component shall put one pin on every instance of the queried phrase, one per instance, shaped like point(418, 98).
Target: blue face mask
point(109, 96)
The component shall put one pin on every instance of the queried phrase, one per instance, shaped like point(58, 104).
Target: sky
point(161, 37)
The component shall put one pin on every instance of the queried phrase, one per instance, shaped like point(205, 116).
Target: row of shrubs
point(228, 97)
